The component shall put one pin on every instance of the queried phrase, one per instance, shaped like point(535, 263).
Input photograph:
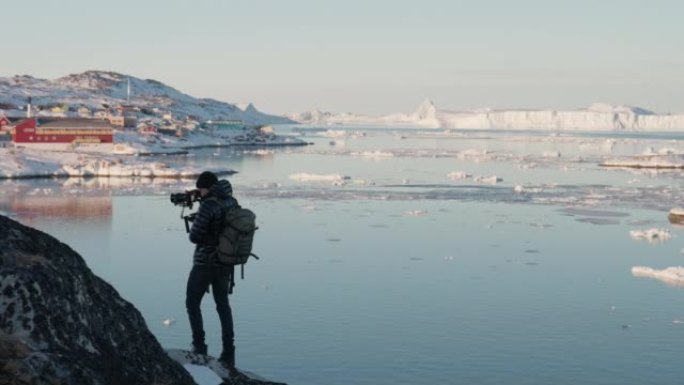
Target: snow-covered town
point(104, 124)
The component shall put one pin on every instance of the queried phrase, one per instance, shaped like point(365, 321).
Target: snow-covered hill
point(597, 117)
point(97, 90)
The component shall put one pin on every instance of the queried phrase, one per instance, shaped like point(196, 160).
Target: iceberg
point(676, 216)
point(596, 117)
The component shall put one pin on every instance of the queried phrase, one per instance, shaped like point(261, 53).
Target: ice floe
point(673, 275)
point(456, 175)
point(377, 154)
point(488, 179)
point(671, 161)
point(551, 154)
point(520, 189)
point(676, 215)
point(416, 213)
point(307, 177)
point(653, 235)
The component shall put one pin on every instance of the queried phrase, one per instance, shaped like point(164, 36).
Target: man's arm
point(202, 222)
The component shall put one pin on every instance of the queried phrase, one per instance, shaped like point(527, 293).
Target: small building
point(124, 116)
point(118, 121)
point(84, 112)
point(4, 123)
point(219, 125)
point(147, 129)
point(58, 109)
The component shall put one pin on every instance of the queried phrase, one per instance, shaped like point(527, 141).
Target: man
point(216, 197)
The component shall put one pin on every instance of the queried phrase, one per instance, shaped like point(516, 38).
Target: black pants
point(201, 277)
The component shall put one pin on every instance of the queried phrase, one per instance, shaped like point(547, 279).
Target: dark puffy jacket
point(208, 222)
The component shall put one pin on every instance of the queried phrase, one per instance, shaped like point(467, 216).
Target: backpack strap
point(231, 280)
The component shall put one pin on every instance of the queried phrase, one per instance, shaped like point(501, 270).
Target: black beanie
point(206, 180)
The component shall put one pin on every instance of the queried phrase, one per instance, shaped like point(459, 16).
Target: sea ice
point(377, 154)
point(520, 189)
point(488, 179)
point(672, 161)
point(455, 175)
point(673, 275)
point(653, 235)
point(416, 213)
point(306, 177)
point(475, 154)
point(334, 133)
point(551, 154)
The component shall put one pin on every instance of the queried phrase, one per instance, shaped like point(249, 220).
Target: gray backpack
point(236, 238)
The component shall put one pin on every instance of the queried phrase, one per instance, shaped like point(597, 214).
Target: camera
point(186, 199)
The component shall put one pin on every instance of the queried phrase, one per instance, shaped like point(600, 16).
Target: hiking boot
point(199, 349)
point(227, 359)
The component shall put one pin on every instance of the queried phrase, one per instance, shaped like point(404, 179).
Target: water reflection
point(64, 207)
point(446, 267)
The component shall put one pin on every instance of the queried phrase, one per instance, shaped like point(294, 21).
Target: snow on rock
point(653, 235)
point(203, 375)
point(672, 275)
point(93, 89)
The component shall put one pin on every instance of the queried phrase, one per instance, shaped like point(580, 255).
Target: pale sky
point(364, 56)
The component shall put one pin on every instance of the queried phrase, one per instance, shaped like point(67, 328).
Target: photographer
point(216, 198)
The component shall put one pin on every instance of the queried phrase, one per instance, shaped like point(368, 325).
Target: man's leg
point(196, 287)
point(220, 291)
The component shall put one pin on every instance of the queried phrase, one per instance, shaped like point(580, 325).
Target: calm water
point(403, 275)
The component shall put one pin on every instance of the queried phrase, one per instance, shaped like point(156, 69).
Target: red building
point(58, 133)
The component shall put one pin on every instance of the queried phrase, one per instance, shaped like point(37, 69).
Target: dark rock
point(229, 377)
point(61, 324)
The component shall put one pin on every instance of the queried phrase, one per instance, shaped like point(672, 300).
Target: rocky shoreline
point(62, 324)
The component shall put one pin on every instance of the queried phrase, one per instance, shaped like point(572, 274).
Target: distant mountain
point(97, 90)
point(598, 116)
